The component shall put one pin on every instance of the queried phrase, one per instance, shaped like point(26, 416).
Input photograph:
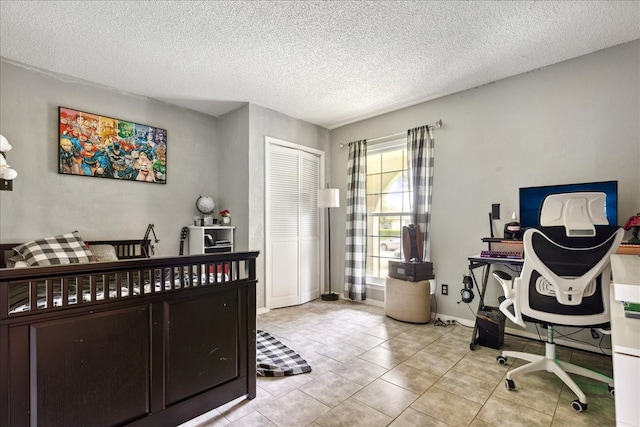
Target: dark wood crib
point(140, 341)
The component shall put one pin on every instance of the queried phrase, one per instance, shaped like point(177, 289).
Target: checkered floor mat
point(275, 359)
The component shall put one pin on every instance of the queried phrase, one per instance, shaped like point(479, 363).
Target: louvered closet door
point(292, 244)
point(309, 228)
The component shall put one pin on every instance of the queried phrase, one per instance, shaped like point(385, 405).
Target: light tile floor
point(370, 370)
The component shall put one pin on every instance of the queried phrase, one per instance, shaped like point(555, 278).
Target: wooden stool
point(408, 301)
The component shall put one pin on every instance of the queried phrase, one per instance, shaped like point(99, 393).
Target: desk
point(499, 244)
point(625, 342)
point(477, 261)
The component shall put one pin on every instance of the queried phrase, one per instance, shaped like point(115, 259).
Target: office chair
point(564, 281)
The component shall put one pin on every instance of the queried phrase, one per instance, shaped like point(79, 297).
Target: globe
point(205, 204)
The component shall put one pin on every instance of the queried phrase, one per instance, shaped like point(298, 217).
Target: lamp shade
point(329, 198)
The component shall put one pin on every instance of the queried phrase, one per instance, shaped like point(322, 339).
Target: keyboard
point(501, 254)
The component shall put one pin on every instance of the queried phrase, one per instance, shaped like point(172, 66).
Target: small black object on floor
point(329, 297)
point(490, 327)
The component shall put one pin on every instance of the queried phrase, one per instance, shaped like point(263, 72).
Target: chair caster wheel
point(578, 406)
point(612, 391)
point(501, 360)
point(509, 384)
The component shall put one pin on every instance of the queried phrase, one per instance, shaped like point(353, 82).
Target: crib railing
point(26, 291)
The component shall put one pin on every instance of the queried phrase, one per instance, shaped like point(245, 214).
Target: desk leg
point(483, 289)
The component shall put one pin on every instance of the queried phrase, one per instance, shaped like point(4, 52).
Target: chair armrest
point(509, 287)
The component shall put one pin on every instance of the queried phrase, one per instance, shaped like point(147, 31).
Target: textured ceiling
point(330, 63)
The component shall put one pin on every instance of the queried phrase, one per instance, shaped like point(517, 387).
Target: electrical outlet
point(445, 289)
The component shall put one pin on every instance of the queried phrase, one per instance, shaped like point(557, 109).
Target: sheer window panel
point(373, 203)
point(393, 161)
point(374, 163)
point(392, 202)
point(374, 184)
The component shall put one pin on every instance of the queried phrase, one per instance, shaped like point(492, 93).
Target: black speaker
point(490, 321)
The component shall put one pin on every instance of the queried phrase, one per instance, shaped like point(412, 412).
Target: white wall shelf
point(211, 239)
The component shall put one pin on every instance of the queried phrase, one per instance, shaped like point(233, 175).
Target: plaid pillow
point(64, 249)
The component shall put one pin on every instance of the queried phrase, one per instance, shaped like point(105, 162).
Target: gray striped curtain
point(356, 243)
point(420, 159)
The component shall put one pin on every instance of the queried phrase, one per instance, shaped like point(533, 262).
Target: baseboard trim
point(262, 310)
point(368, 301)
point(374, 302)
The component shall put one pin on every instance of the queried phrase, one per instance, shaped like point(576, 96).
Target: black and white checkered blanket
point(275, 359)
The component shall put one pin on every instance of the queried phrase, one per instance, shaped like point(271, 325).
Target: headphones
point(467, 291)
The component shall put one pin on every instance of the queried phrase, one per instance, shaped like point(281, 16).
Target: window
point(388, 208)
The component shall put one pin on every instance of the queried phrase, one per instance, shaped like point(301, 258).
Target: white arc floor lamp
point(329, 198)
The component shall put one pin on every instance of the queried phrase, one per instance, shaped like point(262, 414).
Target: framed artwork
point(104, 147)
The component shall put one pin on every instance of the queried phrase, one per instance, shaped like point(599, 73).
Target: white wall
point(265, 122)
point(233, 172)
point(44, 202)
point(577, 121)
point(242, 178)
point(221, 157)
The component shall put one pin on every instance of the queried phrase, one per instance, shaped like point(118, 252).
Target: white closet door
point(283, 223)
point(309, 228)
point(293, 244)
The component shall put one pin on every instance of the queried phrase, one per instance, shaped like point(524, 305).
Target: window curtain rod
point(435, 125)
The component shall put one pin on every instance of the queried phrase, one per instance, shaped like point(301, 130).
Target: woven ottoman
point(408, 301)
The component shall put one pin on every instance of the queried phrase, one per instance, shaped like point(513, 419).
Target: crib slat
point(106, 287)
point(33, 295)
point(92, 288)
point(129, 280)
point(79, 290)
point(49, 293)
point(64, 284)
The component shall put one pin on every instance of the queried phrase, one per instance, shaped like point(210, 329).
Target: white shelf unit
point(210, 239)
